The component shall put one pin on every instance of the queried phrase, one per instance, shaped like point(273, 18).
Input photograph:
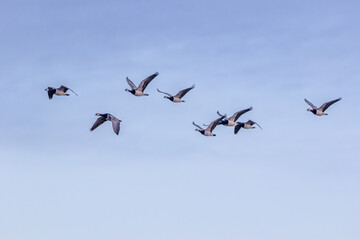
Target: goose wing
point(328, 104)
point(184, 91)
point(197, 126)
point(146, 81)
point(132, 85)
point(164, 93)
point(218, 113)
point(64, 89)
point(311, 105)
point(252, 123)
point(236, 115)
point(115, 124)
point(237, 128)
point(51, 93)
point(97, 123)
point(213, 125)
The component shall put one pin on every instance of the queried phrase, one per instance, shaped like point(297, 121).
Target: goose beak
point(47, 89)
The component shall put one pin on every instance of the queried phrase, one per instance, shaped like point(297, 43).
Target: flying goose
point(139, 91)
point(61, 91)
point(178, 96)
point(232, 121)
point(209, 129)
point(321, 110)
point(107, 117)
point(247, 125)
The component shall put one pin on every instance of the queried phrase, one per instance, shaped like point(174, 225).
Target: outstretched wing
point(213, 125)
point(97, 123)
point(64, 89)
point(146, 81)
point(236, 115)
point(197, 126)
point(220, 114)
point(311, 105)
point(115, 124)
point(184, 91)
point(252, 123)
point(132, 85)
point(51, 93)
point(328, 104)
point(164, 92)
point(237, 128)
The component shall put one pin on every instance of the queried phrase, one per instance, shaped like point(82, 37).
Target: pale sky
point(296, 179)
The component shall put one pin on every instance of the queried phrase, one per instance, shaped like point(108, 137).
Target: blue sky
point(159, 179)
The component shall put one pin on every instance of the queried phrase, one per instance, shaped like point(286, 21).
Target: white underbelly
point(59, 93)
point(320, 113)
point(207, 133)
point(247, 126)
point(139, 93)
point(231, 124)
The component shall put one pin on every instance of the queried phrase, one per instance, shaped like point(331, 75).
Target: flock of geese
point(208, 131)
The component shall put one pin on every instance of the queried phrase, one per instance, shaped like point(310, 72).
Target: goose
point(61, 91)
point(178, 96)
point(107, 117)
point(139, 91)
point(209, 129)
point(232, 121)
point(321, 110)
point(246, 125)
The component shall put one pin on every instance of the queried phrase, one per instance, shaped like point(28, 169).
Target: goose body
point(177, 98)
point(139, 91)
point(321, 110)
point(246, 125)
point(61, 91)
point(209, 129)
point(107, 117)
